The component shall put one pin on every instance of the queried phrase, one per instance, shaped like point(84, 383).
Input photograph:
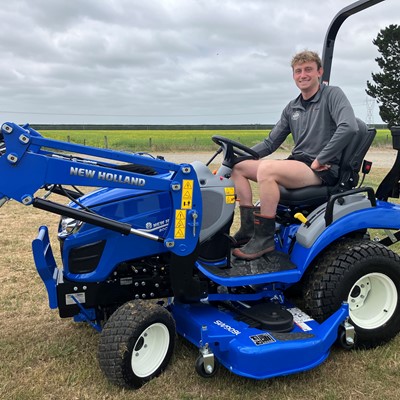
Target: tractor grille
point(84, 259)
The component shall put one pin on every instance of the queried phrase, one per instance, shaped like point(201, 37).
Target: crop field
point(147, 140)
point(45, 357)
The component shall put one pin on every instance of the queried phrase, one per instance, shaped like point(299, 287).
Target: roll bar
point(329, 43)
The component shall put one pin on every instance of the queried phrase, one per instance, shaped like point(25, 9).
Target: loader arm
point(30, 162)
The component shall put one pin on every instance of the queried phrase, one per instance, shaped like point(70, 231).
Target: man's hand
point(316, 166)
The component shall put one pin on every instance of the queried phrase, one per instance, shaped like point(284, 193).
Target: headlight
point(68, 226)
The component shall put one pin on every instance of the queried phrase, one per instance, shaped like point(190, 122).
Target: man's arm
point(346, 125)
point(275, 138)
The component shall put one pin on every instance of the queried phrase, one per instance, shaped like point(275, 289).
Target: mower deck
point(257, 353)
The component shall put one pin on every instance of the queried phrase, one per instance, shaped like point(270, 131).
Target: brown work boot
point(246, 230)
point(262, 241)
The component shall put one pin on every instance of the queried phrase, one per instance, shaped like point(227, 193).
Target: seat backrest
point(353, 156)
point(350, 165)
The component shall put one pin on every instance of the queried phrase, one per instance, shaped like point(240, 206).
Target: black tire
point(137, 343)
point(200, 369)
point(365, 274)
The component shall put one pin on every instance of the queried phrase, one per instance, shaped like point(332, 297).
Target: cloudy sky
point(174, 61)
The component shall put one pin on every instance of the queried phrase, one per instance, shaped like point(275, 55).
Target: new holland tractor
point(146, 255)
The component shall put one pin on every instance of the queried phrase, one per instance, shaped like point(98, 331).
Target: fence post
point(106, 142)
point(150, 142)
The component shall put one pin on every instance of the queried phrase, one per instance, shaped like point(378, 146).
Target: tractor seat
point(350, 165)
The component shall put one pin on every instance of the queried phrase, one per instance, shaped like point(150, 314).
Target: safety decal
point(180, 224)
point(187, 194)
point(230, 195)
point(300, 318)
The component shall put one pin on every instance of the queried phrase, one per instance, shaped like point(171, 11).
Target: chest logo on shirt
point(295, 115)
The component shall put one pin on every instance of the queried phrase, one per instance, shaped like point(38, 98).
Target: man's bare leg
point(290, 174)
point(241, 174)
point(270, 175)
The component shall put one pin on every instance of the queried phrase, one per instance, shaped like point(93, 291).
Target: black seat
point(350, 165)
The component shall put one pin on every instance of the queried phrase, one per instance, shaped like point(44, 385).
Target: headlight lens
point(68, 226)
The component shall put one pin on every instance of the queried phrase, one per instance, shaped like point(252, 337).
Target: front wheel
point(366, 275)
point(137, 343)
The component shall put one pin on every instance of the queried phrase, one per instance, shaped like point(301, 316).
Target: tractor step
point(276, 268)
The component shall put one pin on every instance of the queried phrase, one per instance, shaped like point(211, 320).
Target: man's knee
point(268, 169)
point(247, 169)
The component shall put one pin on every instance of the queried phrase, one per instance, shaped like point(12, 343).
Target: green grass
point(166, 140)
point(162, 140)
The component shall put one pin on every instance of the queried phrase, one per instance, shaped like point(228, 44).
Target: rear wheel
point(136, 343)
point(366, 275)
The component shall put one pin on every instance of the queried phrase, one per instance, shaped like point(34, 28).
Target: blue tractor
point(147, 255)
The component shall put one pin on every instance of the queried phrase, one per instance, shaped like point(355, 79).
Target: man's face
point(306, 76)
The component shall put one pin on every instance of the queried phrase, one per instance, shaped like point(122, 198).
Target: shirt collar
point(297, 102)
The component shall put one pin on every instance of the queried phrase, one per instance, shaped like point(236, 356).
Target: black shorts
point(328, 177)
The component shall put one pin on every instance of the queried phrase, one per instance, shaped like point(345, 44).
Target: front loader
point(146, 253)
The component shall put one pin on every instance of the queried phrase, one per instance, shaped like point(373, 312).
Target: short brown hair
point(306, 56)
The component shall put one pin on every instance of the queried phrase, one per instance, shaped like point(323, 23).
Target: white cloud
point(173, 61)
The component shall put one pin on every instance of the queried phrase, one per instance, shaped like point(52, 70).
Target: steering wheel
point(234, 152)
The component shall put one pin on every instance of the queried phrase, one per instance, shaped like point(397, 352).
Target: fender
point(384, 216)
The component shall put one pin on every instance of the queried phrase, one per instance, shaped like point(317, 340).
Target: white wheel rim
point(150, 350)
point(372, 300)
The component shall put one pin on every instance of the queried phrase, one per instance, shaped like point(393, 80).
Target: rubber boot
point(262, 241)
point(246, 230)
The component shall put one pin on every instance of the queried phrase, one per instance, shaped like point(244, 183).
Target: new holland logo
point(107, 176)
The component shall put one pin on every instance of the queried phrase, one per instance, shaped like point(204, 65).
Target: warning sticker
point(187, 193)
point(230, 195)
point(230, 199)
point(180, 224)
point(300, 318)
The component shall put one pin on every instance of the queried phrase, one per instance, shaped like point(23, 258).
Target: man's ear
point(320, 71)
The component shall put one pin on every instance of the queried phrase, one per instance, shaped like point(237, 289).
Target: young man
point(322, 123)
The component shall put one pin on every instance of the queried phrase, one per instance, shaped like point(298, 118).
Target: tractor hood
point(108, 195)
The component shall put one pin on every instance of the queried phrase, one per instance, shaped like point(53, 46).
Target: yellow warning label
point(180, 224)
point(230, 195)
point(187, 194)
point(230, 199)
point(188, 184)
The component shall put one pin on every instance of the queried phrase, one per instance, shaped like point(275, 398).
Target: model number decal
point(107, 176)
point(227, 327)
point(264, 338)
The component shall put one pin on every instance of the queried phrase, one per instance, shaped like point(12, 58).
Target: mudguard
point(383, 216)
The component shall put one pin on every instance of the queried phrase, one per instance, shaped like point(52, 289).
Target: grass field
point(172, 140)
point(45, 357)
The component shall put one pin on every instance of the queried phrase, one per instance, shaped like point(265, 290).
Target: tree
point(386, 86)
